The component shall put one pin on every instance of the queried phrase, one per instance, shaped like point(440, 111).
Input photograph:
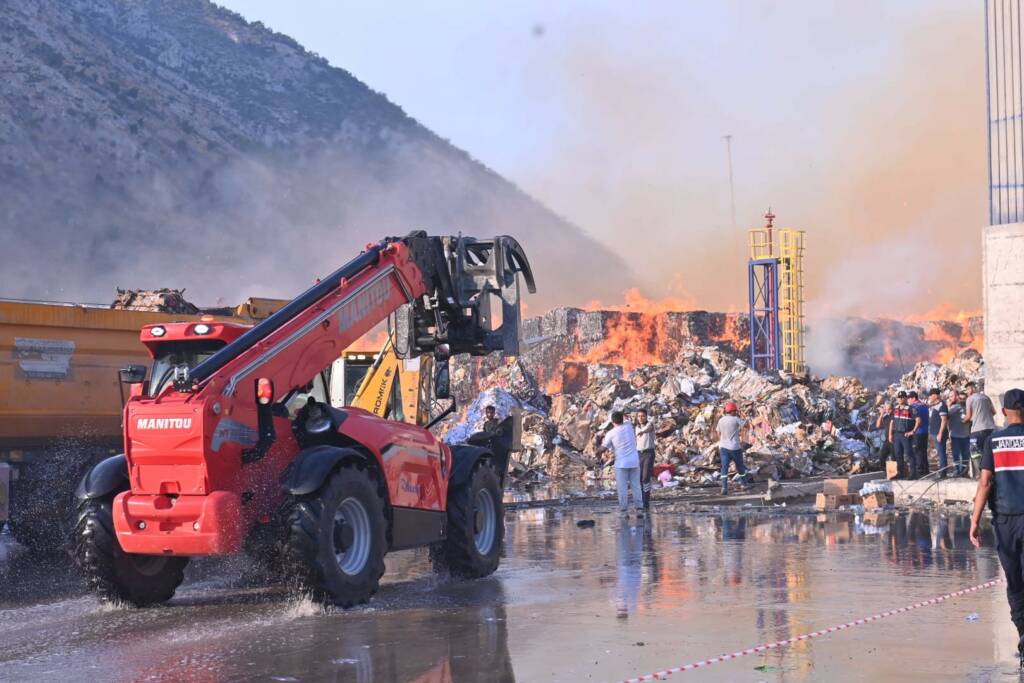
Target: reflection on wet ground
point(619, 599)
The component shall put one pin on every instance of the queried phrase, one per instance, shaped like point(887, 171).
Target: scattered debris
point(798, 426)
point(154, 300)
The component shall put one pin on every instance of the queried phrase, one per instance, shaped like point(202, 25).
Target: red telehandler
point(238, 447)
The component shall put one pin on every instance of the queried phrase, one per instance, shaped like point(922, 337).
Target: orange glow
point(633, 301)
point(943, 312)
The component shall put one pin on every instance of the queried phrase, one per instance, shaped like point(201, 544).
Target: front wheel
point(117, 576)
point(335, 539)
point(476, 526)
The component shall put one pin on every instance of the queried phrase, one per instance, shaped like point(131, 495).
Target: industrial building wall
point(1003, 272)
point(1003, 240)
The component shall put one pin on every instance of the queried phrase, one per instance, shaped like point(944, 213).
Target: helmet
point(731, 407)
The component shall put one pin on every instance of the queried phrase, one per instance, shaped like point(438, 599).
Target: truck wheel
point(476, 526)
point(117, 576)
point(335, 538)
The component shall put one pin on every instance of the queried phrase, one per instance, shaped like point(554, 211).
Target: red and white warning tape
point(807, 636)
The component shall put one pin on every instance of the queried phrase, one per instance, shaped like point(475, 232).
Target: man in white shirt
point(730, 447)
point(621, 441)
point(645, 446)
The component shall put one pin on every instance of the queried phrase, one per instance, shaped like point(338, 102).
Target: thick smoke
point(861, 124)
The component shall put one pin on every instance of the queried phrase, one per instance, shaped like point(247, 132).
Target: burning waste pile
point(798, 426)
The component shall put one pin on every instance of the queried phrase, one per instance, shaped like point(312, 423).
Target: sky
point(861, 123)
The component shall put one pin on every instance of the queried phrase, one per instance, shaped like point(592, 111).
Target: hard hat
point(731, 407)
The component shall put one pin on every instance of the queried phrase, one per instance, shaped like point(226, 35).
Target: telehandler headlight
point(264, 391)
point(158, 331)
point(202, 328)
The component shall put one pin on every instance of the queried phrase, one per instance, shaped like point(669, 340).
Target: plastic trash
point(973, 618)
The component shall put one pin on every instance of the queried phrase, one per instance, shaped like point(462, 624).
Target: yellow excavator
point(384, 384)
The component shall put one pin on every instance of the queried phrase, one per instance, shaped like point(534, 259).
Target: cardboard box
point(892, 470)
point(878, 518)
point(878, 500)
point(834, 501)
point(836, 486)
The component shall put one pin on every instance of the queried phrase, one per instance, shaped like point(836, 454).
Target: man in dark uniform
point(1002, 487)
point(901, 429)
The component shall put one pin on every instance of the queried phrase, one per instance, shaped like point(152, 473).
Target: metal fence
point(1003, 71)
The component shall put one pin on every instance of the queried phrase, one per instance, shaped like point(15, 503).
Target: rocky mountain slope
point(155, 143)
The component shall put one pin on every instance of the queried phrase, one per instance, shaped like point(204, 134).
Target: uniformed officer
point(1002, 487)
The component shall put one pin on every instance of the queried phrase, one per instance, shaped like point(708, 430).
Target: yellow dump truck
point(60, 404)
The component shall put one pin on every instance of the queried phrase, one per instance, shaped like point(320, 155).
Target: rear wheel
point(476, 526)
point(335, 539)
point(117, 576)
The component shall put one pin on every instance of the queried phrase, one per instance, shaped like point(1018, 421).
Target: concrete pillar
point(1003, 293)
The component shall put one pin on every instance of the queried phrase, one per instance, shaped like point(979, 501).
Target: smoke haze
point(878, 152)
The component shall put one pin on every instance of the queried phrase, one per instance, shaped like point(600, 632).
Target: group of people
point(947, 424)
point(633, 448)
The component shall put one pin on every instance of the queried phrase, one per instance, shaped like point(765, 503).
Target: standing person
point(882, 424)
point(938, 428)
point(490, 419)
point(900, 430)
point(959, 434)
point(981, 414)
point(730, 447)
point(1002, 487)
point(920, 436)
point(645, 445)
point(621, 441)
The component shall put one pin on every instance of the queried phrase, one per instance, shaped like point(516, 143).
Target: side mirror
point(442, 380)
point(132, 374)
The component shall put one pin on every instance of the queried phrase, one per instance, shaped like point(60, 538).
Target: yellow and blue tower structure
point(775, 280)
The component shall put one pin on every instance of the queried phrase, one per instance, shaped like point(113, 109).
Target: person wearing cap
point(901, 428)
point(959, 434)
point(1001, 486)
point(730, 446)
point(919, 463)
point(938, 428)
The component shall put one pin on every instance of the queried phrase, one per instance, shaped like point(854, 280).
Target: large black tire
point(117, 576)
point(335, 539)
point(476, 526)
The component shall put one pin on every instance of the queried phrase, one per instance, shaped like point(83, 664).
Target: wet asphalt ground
point(620, 599)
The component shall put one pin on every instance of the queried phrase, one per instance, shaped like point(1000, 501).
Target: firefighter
point(1002, 487)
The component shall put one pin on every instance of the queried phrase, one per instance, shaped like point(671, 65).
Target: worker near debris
point(981, 414)
point(730, 446)
point(938, 428)
point(883, 424)
point(1002, 487)
point(621, 441)
point(901, 429)
point(959, 434)
point(919, 461)
point(645, 446)
point(490, 419)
